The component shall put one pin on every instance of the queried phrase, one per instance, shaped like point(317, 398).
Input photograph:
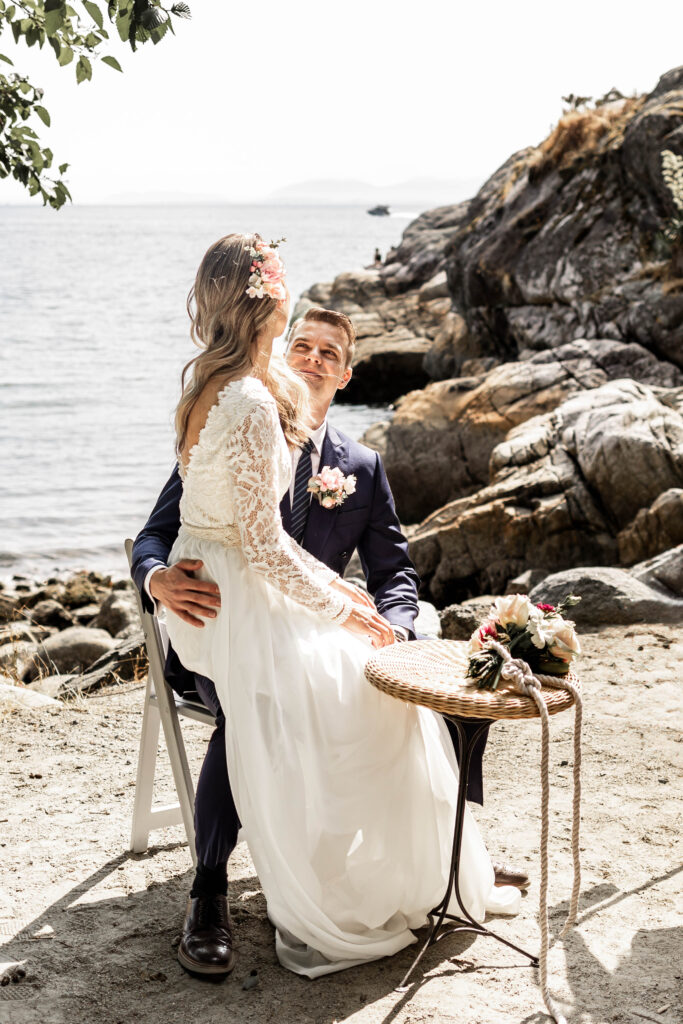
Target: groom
point(320, 349)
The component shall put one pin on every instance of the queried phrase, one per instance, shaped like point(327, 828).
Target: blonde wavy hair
point(225, 324)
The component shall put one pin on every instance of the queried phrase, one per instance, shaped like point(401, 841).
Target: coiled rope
point(519, 674)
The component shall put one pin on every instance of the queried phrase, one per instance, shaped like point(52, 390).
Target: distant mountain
point(418, 192)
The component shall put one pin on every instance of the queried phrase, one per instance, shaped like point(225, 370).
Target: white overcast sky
point(247, 98)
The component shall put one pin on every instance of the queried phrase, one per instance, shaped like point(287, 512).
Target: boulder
point(52, 686)
point(25, 630)
point(126, 660)
point(72, 650)
point(653, 529)
point(459, 621)
point(51, 613)
point(78, 591)
point(118, 611)
point(438, 445)
point(562, 487)
point(665, 570)
point(84, 615)
point(427, 622)
point(9, 608)
point(23, 697)
point(610, 595)
point(17, 657)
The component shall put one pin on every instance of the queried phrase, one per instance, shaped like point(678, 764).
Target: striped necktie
point(301, 499)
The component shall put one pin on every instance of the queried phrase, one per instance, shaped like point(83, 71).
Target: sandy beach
point(94, 926)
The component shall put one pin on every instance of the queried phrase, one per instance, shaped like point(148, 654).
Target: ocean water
point(93, 337)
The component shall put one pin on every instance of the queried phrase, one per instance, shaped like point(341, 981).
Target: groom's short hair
point(329, 316)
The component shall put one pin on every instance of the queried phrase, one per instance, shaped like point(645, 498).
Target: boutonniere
point(331, 487)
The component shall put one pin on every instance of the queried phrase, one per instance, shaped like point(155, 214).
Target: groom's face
point(317, 351)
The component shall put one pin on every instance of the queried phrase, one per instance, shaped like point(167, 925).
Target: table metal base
point(441, 922)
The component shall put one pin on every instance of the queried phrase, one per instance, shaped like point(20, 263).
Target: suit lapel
point(321, 520)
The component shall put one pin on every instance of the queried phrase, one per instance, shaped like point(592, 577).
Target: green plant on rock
point(668, 243)
point(78, 37)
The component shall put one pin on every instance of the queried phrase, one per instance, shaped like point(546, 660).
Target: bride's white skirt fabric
point(347, 796)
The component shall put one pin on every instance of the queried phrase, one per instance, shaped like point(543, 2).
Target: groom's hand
point(185, 596)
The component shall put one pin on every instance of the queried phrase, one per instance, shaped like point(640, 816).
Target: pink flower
point(328, 502)
point(546, 607)
point(272, 272)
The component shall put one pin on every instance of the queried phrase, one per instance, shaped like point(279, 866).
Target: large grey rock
point(17, 657)
point(51, 613)
point(656, 528)
point(78, 591)
point(19, 698)
point(610, 595)
point(126, 660)
point(438, 445)
point(72, 650)
point(562, 486)
point(118, 611)
point(665, 570)
point(8, 608)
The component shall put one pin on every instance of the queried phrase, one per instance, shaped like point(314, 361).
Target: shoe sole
point(198, 968)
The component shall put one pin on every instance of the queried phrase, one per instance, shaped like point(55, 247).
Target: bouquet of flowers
point(537, 633)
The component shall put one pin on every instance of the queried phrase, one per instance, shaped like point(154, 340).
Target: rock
point(51, 685)
point(51, 613)
point(24, 630)
point(49, 592)
point(84, 615)
point(17, 657)
point(78, 591)
point(459, 621)
point(525, 582)
point(664, 570)
point(8, 608)
point(383, 371)
point(609, 595)
point(132, 629)
point(438, 445)
point(125, 661)
point(72, 650)
point(653, 529)
point(123, 584)
point(117, 612)
point(562, 487)
point(21, 697)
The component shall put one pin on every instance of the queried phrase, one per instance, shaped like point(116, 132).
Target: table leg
point(439, 918)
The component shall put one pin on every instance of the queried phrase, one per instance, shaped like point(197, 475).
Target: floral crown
point(267, 271)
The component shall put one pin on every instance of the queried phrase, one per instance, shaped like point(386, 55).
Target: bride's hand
point(369, 623)
point(356, 594)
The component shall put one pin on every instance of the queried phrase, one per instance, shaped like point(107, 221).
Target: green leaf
point(6, 59)
point(83, 70)
point(66, 55)
point(43, 115)
point(151, 18)
point(54, 19)
point(94, 12)
point(113, 63)
point(181, 10)
point(63, 168)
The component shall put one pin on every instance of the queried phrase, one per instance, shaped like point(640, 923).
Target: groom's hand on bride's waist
point(188, 598)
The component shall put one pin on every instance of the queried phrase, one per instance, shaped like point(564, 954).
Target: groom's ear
point(345, 378)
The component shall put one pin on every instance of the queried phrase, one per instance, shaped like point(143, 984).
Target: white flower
point(565, 643)
point(514, 608)
point(540, 628)
point(350, 484)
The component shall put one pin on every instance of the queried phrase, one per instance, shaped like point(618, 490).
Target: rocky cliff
point(538, 328)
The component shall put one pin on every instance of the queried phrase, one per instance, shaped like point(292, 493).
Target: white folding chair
point(163, 707)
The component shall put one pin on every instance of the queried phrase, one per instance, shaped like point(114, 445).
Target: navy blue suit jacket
point(366, 521)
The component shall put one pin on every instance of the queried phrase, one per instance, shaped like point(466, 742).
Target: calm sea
point(94, 334)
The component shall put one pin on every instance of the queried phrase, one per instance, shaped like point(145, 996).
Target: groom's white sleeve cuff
point(400, 632)
point(148, 577)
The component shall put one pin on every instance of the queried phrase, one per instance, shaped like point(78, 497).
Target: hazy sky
point(250, 97)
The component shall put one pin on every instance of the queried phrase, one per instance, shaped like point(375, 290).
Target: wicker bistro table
point(432, 673)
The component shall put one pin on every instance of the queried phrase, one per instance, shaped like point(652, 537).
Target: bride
point(347, 796)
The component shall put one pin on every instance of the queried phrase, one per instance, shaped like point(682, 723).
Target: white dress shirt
point(317, 437)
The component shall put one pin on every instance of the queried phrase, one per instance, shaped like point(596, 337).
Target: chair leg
point(144, 783)
point(181, 770)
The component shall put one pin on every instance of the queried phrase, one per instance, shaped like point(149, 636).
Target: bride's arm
point(253, 449)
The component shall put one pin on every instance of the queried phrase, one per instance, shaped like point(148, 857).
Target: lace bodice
point(236, 474)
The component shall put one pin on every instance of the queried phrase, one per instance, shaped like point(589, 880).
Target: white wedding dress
point(346, 795)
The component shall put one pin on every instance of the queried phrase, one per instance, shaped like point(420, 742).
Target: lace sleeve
point(268, 549)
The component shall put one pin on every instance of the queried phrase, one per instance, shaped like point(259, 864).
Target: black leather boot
point(206, 943)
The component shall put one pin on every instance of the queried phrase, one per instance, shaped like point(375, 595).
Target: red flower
point(546, 607)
